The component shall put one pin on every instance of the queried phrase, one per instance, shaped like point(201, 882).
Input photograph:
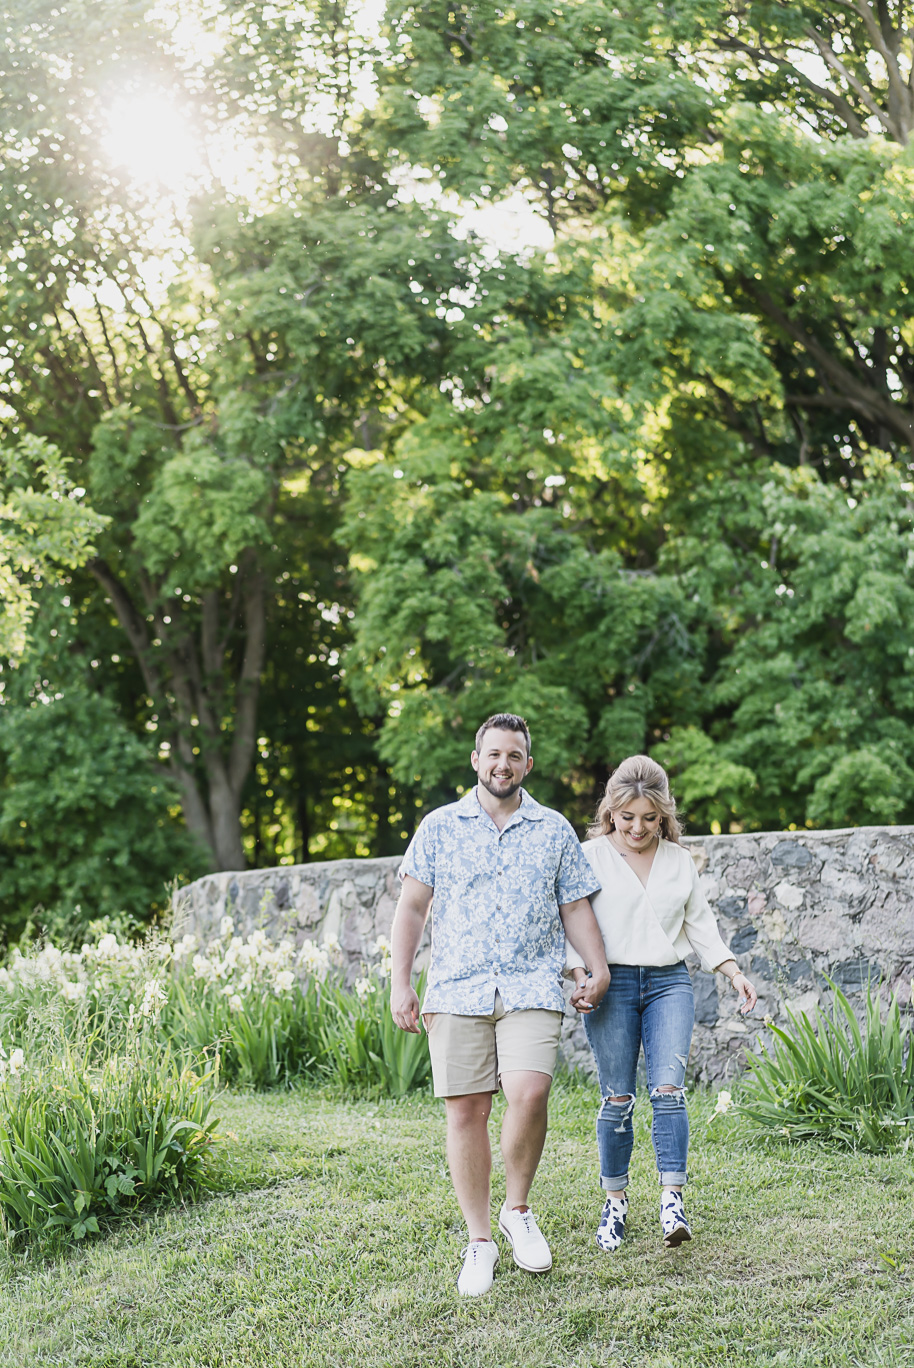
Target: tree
point(744, 166)
point(210, 417)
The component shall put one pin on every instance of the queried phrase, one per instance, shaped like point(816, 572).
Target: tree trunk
point(189, 681)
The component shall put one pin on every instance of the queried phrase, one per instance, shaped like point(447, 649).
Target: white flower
point(363, 987)
point(154, 998)
point(184, 947)
point(313, 958)
point(107, 947)
point(284, 981)
point(17, 1060)
point(203, 967)
point(724, 1101)
point(72, 991)
point(235, 1003)
point(226, 927)
point(381, 946)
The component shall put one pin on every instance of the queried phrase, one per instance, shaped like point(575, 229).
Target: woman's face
point(637, 823)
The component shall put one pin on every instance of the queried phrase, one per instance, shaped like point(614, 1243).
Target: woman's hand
point(748, 997)
point(587, 991)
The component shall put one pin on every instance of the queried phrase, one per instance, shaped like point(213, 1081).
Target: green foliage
point(84, 818)
point(363, 1050)
point(832, 1080)
point(84, 1141)
point(265, 1039)
point(812, 698)
point(272, 1013)
point(44, 527)
point(370, 477)
point(479, 593)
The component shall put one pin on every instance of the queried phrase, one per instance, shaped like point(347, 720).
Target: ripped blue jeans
point(654, 1007)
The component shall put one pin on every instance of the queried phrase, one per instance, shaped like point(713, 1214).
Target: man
point(509, 880)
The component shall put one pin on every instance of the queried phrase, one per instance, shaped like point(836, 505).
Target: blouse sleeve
point(700, 926)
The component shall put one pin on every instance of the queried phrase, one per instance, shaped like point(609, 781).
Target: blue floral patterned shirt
point(495, 913)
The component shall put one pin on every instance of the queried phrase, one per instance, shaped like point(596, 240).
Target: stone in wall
point(796, 908)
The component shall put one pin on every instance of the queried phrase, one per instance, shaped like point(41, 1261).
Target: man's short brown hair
point(503, 722)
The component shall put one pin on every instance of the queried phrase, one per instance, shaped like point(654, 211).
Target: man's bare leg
point(523, 1131)
point(469, 1158)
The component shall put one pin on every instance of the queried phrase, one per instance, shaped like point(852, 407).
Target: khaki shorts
point(470, 1053)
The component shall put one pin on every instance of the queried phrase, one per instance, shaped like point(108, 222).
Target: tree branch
point(100, 315)
point(850, 392)
point(843, 108)
point(164, 397)
point(831, 58)
point(133, 623)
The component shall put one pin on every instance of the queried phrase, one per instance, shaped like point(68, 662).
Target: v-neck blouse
point(653, 925)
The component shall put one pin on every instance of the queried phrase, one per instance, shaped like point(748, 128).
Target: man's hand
point(404, 1008)
point(582, 930)
point(409, 921)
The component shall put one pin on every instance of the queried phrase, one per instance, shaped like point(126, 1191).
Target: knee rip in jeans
point(618, 1109)
point(667, 1098)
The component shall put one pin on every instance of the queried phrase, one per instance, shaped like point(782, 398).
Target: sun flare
point(153, 141)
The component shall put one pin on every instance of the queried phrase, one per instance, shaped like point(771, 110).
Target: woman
point(652, 912)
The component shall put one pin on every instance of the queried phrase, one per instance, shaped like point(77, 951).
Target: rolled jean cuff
point(670, 1178)
point(614, 1184)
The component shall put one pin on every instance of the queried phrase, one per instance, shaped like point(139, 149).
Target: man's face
point(503, 762)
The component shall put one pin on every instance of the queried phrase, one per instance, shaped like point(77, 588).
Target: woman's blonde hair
point(638, 777)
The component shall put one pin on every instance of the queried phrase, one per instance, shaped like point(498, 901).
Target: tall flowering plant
point(274, 1011)
point(85, 1139)
point(261, 1001)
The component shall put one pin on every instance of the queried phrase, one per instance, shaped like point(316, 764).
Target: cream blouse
point(656, 924)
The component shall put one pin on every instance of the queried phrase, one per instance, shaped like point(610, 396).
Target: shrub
point(829, 1080)
point(84, 814)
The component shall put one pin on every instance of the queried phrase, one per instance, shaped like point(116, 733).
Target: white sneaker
point(531, 1251)
point(480, 1258)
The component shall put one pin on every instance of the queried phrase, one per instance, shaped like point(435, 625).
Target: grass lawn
point(342, 1244)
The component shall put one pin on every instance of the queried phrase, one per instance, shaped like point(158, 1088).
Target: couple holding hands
point(520, 904)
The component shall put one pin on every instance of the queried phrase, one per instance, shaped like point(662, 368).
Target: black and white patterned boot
point(673, 1221)
point(612, 1224)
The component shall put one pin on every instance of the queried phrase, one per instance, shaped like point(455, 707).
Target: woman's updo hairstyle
point(638, 777)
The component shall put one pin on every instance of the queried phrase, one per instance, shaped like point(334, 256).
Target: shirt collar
point(470, 806)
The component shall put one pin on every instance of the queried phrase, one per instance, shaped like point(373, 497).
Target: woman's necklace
point(625, 853)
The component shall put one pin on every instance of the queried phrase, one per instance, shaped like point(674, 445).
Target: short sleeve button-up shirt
point(495, 911)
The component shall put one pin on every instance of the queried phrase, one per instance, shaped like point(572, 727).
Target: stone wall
point(793, 906)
